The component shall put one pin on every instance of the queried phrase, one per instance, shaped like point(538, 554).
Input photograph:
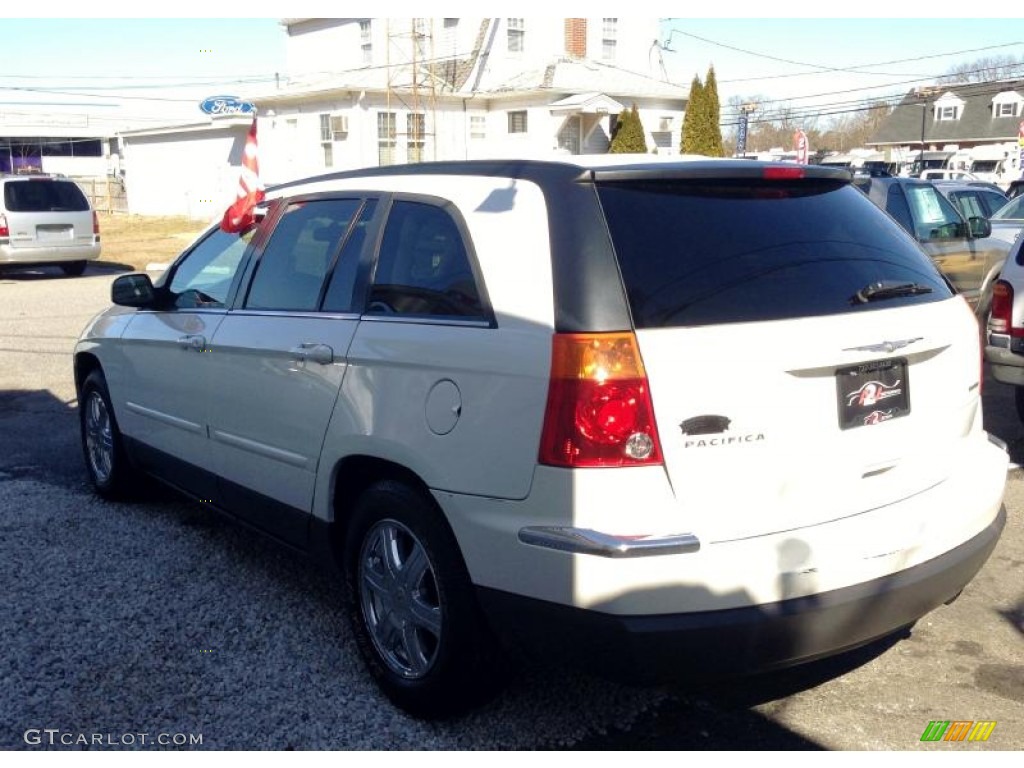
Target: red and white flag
point(250, 189)
point(800, 144)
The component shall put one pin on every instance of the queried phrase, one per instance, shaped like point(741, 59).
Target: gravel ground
point(163, 618)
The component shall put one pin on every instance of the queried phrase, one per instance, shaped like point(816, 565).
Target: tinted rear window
point(41, 195)
point(698, 253)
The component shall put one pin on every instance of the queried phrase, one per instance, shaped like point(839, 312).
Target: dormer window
point(1007, 104)
point(949, 107)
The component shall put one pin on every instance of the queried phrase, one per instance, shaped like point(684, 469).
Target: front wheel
point(105, 460)
point(412, 606)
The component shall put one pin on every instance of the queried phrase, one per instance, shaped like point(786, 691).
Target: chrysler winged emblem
point(885, 346)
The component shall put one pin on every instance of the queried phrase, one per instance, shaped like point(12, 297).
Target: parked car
point(973, 200)
point(946, 174)
point(46, 220)
point(644, 417)
point(1008, 220)
point(963, 249)
point(1004, 346)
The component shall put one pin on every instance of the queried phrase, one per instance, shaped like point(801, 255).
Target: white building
point(184, 170)
point(36, 142)
point(366, 92)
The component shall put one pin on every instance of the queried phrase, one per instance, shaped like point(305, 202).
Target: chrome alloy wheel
point(99, 437)
point(399, 599)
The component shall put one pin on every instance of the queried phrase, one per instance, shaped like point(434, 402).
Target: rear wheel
point(109, 470)
point(73, 268)
point(1018, 400)
point(412, 606)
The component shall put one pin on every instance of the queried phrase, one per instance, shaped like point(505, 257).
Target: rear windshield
point(698, 253)
point(39, 195)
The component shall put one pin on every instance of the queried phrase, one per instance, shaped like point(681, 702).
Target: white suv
point(47, 220)
point(640, 416)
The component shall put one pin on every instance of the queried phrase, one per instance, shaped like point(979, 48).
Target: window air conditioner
point(339, 126)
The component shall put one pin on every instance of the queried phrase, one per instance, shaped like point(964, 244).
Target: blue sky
point(832, 44)
point(209, 55)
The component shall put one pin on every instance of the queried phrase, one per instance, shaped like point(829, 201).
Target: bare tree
point(984, 69)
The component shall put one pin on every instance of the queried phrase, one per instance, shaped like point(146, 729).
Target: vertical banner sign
point(800, 145)
point(741, 138)
point(1020, 141)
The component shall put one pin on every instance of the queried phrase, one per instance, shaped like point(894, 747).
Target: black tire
point(421, 633)
point(1018, 400)
point(73, 268)
point(110, 472)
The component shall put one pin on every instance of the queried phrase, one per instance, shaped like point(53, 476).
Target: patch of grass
point(140, 240)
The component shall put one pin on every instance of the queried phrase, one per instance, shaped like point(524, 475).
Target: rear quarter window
point(725, 251)
point(43, 195)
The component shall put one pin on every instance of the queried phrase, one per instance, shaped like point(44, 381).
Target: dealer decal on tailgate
point(872, 393)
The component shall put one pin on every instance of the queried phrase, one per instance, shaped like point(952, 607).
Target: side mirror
point(133, 291)
point(980, 226)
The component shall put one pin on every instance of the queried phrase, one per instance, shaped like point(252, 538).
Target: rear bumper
point(1005, 356)
point(738, 640)
point(49, 255)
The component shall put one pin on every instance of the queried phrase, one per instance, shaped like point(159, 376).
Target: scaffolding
point(413, 83)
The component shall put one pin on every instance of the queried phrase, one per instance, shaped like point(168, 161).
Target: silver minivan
point(46, 220)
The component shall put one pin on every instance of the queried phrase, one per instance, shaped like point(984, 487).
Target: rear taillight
point(1000, 318)
point(599, 411)
point(4, 231)
point(95, 223)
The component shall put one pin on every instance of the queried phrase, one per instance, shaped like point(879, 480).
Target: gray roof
point(561, 75)
point(573, 75)
point(976, 123)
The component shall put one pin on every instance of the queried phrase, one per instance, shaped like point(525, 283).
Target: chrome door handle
point(311, 350)
point(192, 341)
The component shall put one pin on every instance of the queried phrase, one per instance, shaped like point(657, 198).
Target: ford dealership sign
point(227, 105)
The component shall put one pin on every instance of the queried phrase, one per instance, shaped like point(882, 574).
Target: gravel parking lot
point(160, 618)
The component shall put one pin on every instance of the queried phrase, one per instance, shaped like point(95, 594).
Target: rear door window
point(424, 267)
point(969, 203)
point(725, 251)
point(43, 195)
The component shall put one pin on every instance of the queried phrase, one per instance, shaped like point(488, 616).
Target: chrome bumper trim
point(583, 541)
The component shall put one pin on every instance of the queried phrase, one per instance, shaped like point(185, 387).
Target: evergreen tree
point(617, 133)
point(629, 135)
point(702, 134)
point(712, 115)
point(691, 120)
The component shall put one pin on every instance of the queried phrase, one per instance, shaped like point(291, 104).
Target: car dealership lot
point(161, 618)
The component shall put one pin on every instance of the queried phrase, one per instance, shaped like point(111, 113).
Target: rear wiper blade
point(877, 291)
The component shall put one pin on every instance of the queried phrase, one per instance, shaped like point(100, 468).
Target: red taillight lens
point(599, 411)
point(4, 231)
point(95, 223)
point(1000, 319)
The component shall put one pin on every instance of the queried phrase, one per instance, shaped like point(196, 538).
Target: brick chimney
point(576, 37)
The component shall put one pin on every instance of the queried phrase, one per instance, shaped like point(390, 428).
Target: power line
point(824, 69)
